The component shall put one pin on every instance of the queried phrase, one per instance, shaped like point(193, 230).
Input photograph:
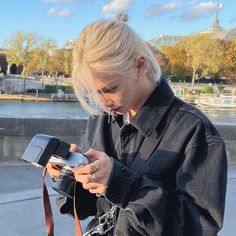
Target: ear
point(141, 65)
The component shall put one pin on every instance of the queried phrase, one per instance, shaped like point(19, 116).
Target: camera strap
point(48, 215)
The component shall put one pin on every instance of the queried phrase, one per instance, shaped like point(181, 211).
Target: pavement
point(21, 210)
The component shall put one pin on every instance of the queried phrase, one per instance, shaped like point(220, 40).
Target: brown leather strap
point(48, 215)
point(78, 229)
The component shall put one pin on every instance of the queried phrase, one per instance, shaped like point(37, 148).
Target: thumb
point(93, 154)
point(90, 153)
point(74, 148)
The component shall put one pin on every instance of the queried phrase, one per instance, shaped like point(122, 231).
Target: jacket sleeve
point(140, 199)
point(199, 198)
point(194, 207)
point(85, 203)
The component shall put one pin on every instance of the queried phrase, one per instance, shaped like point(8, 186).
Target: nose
point(106, 101)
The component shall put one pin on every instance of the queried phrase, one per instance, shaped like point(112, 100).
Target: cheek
point(116, 98)
point(101, 98)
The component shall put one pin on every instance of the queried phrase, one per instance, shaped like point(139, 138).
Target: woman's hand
point(55, 170)
point(95, 175)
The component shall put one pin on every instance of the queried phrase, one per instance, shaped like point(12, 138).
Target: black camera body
point(45, 148)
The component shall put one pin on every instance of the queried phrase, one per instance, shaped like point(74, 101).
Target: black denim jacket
point(181, 188)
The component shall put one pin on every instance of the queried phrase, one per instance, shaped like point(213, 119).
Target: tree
point(176, 57)
point(47, 46)
point(214, 59)
point(229, 62)
point(19, 49)
point(161, 58)
point(68, 62)
point(34, 66)
point(198, 52)
point(56, 62)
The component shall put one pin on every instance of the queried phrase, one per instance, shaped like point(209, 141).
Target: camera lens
point(64, 183)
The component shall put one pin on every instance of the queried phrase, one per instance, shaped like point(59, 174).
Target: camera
point(45, 148)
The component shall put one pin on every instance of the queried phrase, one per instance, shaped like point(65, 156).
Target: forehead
point(107, 80)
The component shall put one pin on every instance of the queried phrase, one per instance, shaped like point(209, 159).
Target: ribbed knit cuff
point(121, 183)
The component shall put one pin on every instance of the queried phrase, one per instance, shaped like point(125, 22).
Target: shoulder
point(99, 120)
point(97, 129)
point(193, 120)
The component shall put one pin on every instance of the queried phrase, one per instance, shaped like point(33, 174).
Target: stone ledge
point(15, 134)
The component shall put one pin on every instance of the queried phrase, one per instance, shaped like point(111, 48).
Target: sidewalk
point(21, 211)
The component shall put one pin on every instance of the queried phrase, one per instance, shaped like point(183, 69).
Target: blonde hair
point(105, 48)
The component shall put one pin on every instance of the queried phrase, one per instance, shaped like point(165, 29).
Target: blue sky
point(62, 20)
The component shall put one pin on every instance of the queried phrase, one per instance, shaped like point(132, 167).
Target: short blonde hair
point(104, 48)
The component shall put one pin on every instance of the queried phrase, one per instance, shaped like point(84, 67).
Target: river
point(71, 110)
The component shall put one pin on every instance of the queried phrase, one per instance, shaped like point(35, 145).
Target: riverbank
point(24, 97)
point(48, 97)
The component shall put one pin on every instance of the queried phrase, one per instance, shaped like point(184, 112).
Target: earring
point(145, 71)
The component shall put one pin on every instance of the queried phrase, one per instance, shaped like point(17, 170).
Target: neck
point(146, 90)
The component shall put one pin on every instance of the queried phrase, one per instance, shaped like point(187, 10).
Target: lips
point(115, 110)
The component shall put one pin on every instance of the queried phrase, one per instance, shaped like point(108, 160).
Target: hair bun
point(122, 17)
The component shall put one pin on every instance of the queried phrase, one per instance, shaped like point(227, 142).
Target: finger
point(87, 169)
point(54, 166)
point(100, 189)
point(74, 148)
point(84, 179)
point(92, 153)
point(95, 165)
point(54, 173)
point(90, 185)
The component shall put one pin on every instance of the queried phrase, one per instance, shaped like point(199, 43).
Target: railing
point(55, 97)
point(217, 100)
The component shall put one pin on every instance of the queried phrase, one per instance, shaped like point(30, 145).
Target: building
point(164, 40)
point(216, 31)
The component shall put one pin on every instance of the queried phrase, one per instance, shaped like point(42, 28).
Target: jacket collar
point(154, 108)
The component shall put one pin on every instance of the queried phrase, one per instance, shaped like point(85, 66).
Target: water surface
point(66, 110)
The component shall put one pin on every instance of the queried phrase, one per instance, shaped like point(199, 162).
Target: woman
point(157, 165)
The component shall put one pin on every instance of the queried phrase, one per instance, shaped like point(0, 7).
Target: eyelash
point(114, 88)
point(111, 90)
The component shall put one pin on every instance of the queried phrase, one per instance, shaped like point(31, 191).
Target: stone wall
point(15, 134)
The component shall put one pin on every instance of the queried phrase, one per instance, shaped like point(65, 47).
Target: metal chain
point(105, 223)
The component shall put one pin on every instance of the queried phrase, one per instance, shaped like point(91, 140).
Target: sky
point(63, 20)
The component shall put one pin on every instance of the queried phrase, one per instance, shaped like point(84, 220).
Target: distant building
point(216, 31)
point(164, 40)
point(215, 28)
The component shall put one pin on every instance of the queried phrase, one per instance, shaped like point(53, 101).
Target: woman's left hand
point(95, 175)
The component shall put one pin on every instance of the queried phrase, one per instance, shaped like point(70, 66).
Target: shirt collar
point(126, 118)
point(154, 108)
